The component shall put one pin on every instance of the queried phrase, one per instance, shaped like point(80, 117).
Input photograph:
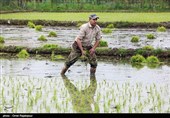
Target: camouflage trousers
point(75, 54)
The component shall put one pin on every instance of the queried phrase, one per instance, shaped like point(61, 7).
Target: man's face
point(93, 22)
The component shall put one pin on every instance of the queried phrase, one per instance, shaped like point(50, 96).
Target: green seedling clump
point(52, 34)
point(135, 39)
point(152, 59)
point(161, 29)
point(137, 59)
point(23, 54)
point(103, 43)
point(38, 27)
point(42, 38)
point(150, 36)
point(2, 40)
point(31, 24)
point(110, 26)
point(148, 47)
point(106, 30)
point(50, 46)
point(56, 57)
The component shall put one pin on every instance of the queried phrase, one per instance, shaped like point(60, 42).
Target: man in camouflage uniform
point(86, 41)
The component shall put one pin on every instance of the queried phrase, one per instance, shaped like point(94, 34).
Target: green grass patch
point(104, 16)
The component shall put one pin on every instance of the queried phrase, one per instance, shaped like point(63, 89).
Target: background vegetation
point(86, 5)
point(104, 16)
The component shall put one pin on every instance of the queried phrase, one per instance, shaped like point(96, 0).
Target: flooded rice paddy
point(36, 86)
point(119, 38)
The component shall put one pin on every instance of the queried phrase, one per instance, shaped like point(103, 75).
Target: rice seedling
point(38, 27)
point(135, 39)
point(161, 29)
point(30, 24)
point(42, 38)
point(2, 40)
point(23, 54)
point(150, 36)
point(52, 34)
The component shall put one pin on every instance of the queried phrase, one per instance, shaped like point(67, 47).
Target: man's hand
point(92, 51)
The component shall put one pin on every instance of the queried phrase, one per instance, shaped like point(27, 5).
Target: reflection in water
point(83, 100)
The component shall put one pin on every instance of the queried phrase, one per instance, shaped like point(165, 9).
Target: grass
point(104, 16)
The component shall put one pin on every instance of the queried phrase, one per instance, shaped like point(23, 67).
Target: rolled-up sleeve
point(98, 35)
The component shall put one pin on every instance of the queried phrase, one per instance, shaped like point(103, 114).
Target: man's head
point(93, 19)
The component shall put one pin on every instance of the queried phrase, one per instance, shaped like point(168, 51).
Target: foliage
point(137, 59)
point(135, 39)
point(123, 19)
point(38, 27)
point(52, 34)
point(2, 40)
point(103, 43)
point(50, 46)
point(85, 5)
point(23, 54)
point(42, 38)
point(150, 36)
point(106, 30)
point(148, 47)
point(30, 24)
point(110, 26)
point(56, 57)
point(152, 59)
point(161, 29)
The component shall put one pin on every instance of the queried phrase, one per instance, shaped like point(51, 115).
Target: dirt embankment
point(101, 52)
point(75, 23)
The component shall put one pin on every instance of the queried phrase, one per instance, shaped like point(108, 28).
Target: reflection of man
point(82, 100)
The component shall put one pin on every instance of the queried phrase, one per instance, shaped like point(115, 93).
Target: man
point(85, 44)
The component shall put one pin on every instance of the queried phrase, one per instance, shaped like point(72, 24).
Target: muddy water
point(119, 38)
point(36, 86)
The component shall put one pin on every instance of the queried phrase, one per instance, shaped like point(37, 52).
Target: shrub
point(103, 43)
point(30, 24)
point(137, 59)
point(106, 30)
point(161, 29)
point(23, 54)
point(150, 36)
point(152, 59)
point(52, 34)
point(42, 38)
point(2, 40)
point(38, 27)
point(135, 39)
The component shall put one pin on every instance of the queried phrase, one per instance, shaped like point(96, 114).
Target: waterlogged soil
point(36, 86)
point(21, 35)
